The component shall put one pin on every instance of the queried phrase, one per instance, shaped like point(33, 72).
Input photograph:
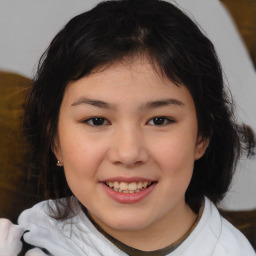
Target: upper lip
point(127, 179)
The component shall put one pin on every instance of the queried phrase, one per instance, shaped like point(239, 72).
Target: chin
point(128, 222)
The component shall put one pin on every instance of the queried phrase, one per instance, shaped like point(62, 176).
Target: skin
point(129, 144)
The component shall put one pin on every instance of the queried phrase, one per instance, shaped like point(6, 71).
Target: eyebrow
point(161, 103)
point(147, 106)
point(96, 103)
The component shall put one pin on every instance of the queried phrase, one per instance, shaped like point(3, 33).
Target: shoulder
point(230, 241)
point(35, 214)
point(39, 220)
point(44, 212)
point(56, 236)
point(215, 236)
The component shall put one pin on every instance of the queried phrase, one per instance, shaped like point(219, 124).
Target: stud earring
point(59, 163)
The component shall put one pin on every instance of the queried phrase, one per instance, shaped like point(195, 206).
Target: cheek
point(176, 164)
point(81, 163)
point(176, 154)
point(81, 157)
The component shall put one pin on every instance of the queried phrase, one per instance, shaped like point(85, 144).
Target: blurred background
point(243, 13)
point(28, 26)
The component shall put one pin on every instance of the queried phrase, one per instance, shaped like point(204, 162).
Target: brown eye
point(160, 121)
point(96, 121)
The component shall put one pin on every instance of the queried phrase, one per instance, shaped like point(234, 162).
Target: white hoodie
point(77, 236)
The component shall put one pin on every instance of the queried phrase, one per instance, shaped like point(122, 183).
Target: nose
point(128, 147)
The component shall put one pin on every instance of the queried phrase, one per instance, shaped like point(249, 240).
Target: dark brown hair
point(115, 30)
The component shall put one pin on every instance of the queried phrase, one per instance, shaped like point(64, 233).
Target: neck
point(162, 233)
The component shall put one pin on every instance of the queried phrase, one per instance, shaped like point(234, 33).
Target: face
point(128, 139)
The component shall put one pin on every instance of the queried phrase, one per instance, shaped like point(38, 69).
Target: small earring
point(59, 163)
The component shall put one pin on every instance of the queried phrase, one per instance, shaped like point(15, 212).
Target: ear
point(201, 146)
point(56, 150)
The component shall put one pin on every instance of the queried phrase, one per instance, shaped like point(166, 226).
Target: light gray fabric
point(77, 236)
point(10, 244)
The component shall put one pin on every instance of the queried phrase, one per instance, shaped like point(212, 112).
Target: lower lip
point(127, 198)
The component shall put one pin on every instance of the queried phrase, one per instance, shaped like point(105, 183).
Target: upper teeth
point(128, 187)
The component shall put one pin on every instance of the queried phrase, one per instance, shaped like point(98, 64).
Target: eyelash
point(95, 119)
point(102, 121)
point(166, 120)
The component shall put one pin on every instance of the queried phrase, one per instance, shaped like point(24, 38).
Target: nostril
point(130, 165)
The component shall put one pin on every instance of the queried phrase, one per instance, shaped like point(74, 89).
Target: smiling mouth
point(129, 188)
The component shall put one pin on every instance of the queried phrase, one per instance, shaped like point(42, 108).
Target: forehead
point(129, 68)
point(136, 80)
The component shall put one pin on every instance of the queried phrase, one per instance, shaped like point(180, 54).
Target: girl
point(133, 134)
